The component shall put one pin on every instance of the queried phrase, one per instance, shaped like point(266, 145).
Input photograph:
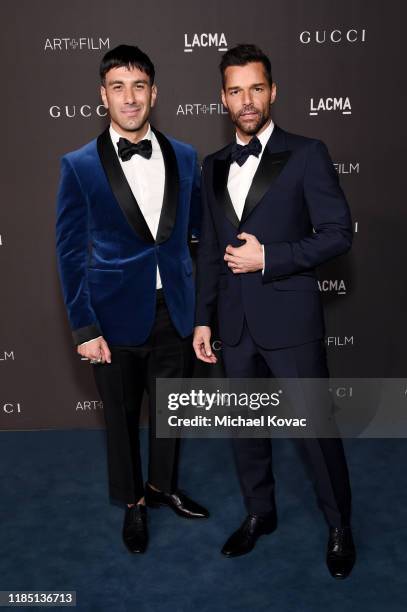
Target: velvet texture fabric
point(107, 256)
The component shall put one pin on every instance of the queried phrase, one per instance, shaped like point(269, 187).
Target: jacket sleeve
point(330, 217)
point(208, 261)
point(72, 241)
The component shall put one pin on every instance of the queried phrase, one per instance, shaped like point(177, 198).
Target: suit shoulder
point(305, 147)
point(182, 147)
point(297, 141)
point(82, 153)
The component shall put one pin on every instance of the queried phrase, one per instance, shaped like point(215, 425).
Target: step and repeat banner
point(339, 71)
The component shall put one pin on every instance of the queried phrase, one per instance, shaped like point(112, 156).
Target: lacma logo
point(328, 285)
point(342, 105)
point(192, 41)
point(74, 44)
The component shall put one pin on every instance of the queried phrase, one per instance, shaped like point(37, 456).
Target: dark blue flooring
point(59, 532)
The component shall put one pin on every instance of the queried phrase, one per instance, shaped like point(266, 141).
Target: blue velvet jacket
point(107, 256)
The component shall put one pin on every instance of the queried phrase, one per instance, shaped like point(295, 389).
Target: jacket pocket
point(296, 283)
point(98, 276)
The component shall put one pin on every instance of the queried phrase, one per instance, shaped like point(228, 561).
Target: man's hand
point(96, 350)
point(246, 258)
point(202, 344)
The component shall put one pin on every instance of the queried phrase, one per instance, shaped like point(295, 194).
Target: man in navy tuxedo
point(126, 205)
point(273, 210)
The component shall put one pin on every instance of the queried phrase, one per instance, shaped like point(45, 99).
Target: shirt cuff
point(264, 261)
point(87, 341)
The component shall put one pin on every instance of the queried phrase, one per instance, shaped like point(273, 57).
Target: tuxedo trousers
point(325, 457)
point(121, 385)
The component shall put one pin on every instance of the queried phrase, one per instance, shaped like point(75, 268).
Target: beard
point(254, 126)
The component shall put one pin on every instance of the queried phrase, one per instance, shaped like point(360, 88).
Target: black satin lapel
point(171, 189)
point(268, 170)
point(121, 188)
point(220, 187)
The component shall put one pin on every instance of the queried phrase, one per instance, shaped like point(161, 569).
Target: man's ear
point(273, 93)
point(223, 97)
point(103, 96)
point(154, 92)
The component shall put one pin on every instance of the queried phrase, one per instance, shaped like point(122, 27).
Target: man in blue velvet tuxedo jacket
point(126, 204)
point(273, 210)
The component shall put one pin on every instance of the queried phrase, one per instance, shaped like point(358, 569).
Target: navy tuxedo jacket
point(296, 208)
point(107, 256)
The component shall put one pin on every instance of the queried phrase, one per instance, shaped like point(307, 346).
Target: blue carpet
point(59, 532)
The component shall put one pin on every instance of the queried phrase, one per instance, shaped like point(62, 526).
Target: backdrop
point(340, 77)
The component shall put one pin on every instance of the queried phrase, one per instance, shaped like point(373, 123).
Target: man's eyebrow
point(119, 82)
point(262, 84)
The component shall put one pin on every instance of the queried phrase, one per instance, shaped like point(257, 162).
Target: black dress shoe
point(244, 539)
point(135, 534)
point(341, 553)
point(178, 501)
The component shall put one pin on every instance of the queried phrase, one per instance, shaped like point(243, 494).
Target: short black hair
point(126, 55)
point(242, 55)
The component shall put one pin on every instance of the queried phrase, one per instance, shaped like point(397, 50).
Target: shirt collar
point(263, 137)
point(115, 135)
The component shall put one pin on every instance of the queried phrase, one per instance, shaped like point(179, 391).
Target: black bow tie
point(127, 149)
point(240, 153)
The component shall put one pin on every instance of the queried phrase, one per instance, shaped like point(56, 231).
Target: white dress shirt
point(146, 178)
point(241, 177)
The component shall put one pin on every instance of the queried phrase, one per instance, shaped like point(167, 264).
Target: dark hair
point(126, 55)
point(242, 55)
